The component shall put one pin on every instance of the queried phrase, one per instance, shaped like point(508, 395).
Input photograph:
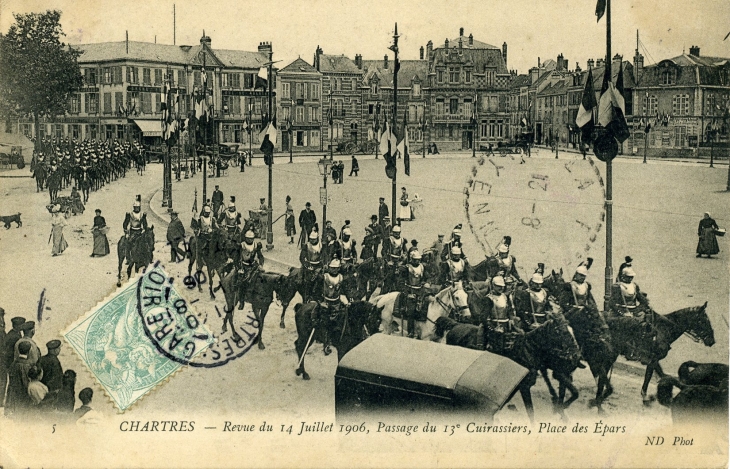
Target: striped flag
point(404, 146)
point(584, 119)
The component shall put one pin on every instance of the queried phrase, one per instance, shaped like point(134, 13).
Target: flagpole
point(269, 230)
point(395, 120)
point(204, 79)
point(609, 180)
point(167, 126)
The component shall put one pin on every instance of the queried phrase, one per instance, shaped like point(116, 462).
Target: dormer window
point(467, 76)
point(668, 77)
point(416, 89)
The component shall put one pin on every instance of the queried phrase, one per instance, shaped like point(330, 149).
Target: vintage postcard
point(364, 234)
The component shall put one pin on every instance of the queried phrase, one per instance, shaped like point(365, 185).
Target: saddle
point(410, 306)
point(500, 336)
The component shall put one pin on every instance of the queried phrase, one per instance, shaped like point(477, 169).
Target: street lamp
point(250, 132)
point(331, 115)
point(291, 130)
point(424, 126)
point(325, 168)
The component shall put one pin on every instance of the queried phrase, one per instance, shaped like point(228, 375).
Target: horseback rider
point(505, 266)
point(411, 301)
point(533, 313)
point(311, 257)
point(628, 303)
point(394, 252)
point(346, 248)
point(249, 261)
point(455, 241)
point(577, 294)
point(499, 321)
point(135, 222)
point(456, 269)
point(203, 226)
point(331, 303)
point(230, 219)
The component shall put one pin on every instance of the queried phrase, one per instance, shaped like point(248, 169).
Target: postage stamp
point(138, 337)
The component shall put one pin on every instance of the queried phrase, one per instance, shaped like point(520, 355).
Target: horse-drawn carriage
point(403, 377)
point(11, 155)
point(350, 147)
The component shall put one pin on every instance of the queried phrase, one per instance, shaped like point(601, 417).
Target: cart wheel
point(518, 150)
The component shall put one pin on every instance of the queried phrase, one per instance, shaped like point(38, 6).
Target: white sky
point(531, 28)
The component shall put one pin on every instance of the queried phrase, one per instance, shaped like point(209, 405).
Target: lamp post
point(269, 229)
point(325, 167)
point(377, 128)
point(646, 140)
point(250, 133)
point(291, 131)
point(424, 125)
point(331, 115)
point(394, 122)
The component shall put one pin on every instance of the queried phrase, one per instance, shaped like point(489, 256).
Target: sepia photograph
point(308, 234)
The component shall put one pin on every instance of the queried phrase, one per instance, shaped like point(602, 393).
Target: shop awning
point(149, 128)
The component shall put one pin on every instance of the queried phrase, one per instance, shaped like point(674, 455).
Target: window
point(667, 77)
point(75, 104)
point(248, 80)
point(300, 90)
point(301, 138)
point(225, 101)
point(334, 84)
point(416, 89)
point(680, 105)
point(235, 80)
point(133, 104)
point(503, 103)
point(300, 114)
point(412, 113)
point(90, 77)
point(489, 76)
point(146, 80)
point(315, 92)
point(285, 91)
point(117, 75)
point(314, 137)
point(453, 106)
point(107, 74)
point(118, 101)
point(680, 136)
point(439, 107)
point(158, 76)
point(354, 84)
point(453, 75)
point(182, 81)
point(109, 131)
point(92, 103)
point(158, 97)
point(374, 88)
point(483, 129)
point(493, 105)
point(75, 131)
point(650, 105)
point(440, 76)
point(120, 132)
point(467, 76)
point(107, 103)
point(371, 109)
point(146, 103)
point(285, 113)
point(313, 114)
point(467, 108)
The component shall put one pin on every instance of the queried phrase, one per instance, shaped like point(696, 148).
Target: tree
point(38, 72)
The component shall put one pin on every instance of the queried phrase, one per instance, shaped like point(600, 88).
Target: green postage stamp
point(139, 336)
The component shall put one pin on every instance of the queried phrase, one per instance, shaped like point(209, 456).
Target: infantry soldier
point(394, 253)
point(230, 219)
point(332, 299)
point(346, 248)
point(411, 301)
point(135, 222)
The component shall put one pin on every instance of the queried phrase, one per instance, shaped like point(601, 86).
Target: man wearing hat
point(345, 226)
point(311, 259)
point(51, 366)
point(7, 353)
point(217, 200)
point(499, 320)
point(411, 301)
point(28, 330)
point(307, 220)
point(230, 219)
point(626, 299)
point(382, 211)
point(135, 222)
point(456, 269)
point(175, 235)
point(346, 248)
point(385, 229)
point(203, 226)
point(532, 305)
point(394, 254)
point(455, 241)
point(577, 295)
point(504, 264)
point(332, 301)
point(250, 257)
point(373, 236)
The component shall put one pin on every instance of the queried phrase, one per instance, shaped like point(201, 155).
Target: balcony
point(451, 118)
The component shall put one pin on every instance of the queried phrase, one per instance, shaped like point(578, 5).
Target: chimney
point(318, 58)
point(429, 49)
point(600, 62)
point(560, 62)
point(694, 50)
point(358, 61)
point(446, 43)
point(421, 53)
point(638, 65)
point(471, 39)
point(265, 47)
point(205, 40)
point(591, 63)
point(577, 67)
point(127, 35)
point(385, 61)
point(461, 32)
point(461, 43)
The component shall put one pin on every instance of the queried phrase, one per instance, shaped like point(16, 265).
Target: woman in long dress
point(404, 212)
point(58, 222)
point(416, 206)
point(707, 244)
point(101, 243)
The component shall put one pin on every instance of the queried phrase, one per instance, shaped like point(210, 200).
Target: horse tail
point(684, 370)
point(664, 390)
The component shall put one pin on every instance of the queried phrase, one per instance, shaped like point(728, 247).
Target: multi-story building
point(467, 78)
point(520, 120)
point(686, 99)
point(123, 85)
point(377, 94)
point(299, 88)
point(341, 81)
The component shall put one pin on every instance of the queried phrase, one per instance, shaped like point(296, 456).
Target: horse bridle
point(455, 309)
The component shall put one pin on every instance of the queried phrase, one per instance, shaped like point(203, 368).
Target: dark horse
point(695, 403)
point(347, 331)
point(213, 256)
point(137, 252)
point(260, 293)
point(548, 347)
point(710, 374)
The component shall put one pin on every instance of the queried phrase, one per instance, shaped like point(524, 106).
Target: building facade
point(299, 88)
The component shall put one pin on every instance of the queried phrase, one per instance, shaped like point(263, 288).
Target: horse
point(692, 321)
point(40, 174)
point(695, 403)
point(550, 346)
point(370, 272)
point(443, 304)
point(54, 184)
point(140, 163)
point(346, 332)
point(137, 252)
point(213, 256)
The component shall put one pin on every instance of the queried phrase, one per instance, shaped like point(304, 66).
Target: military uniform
point(230, 220)
point(347, 251)
point(394, 253)
point(52, 369)
point(499, 321)
point(533, 305)
point(627, 300)
point(411, 299)
point(135, 223)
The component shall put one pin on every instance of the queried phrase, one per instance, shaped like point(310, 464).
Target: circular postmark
point(178, 328)
point(551, 209)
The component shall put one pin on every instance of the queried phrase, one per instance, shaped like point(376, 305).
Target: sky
point(531, 28)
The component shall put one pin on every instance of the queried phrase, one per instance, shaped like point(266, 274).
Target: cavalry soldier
point(394, 254)
point(332, 300)
point(203, 226)
point(500, 322)
point(230, 219)
point(376, 231)
point(346, 248)
point(411, 301)
point(629, 306)
point(533, 306)
point(311, 258)
point(249, 261)
point(455, 241)
point(135, 222)
point(456, 269)
point(577, 295)
point(504, 265)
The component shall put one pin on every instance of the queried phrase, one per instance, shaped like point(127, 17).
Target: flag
point(612, 105)
point(600, 9)
point(329, 116)
point(269, 141)
point(584, 119)
point(262, 79)
point(245, 126)
point(474, 111)
point(404, 146)
point(523, 122)
point(388, 147)
point(204, 77)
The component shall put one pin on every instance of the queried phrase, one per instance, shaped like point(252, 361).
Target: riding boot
point(326, 344)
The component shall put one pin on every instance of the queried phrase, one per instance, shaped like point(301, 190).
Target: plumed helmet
point(416, 255)
point(503, 248)
point(313, 235)
point(138, 201)
point(347, 232)
point(334, 264)
point(396, 229)
point(583, 270)
point(498, 281)
point(537, 278)
point(628, 272)
point(231, 205)
point(456, 250)
point(249, 234)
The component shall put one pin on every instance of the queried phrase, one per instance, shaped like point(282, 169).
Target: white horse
point(450, 299)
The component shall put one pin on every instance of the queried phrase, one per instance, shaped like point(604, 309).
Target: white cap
point(313, 235)
point(335, 264)
point(537, 278)
point(498, 281)
point(415, 255)
point(231, 205)
point(456, 250)
point(249, 234)
point(347, 231)
point(396, 229)
point(628, 272)
point(582, 270)
point(503, 248)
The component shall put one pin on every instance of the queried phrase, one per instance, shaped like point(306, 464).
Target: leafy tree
point(38, 72)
